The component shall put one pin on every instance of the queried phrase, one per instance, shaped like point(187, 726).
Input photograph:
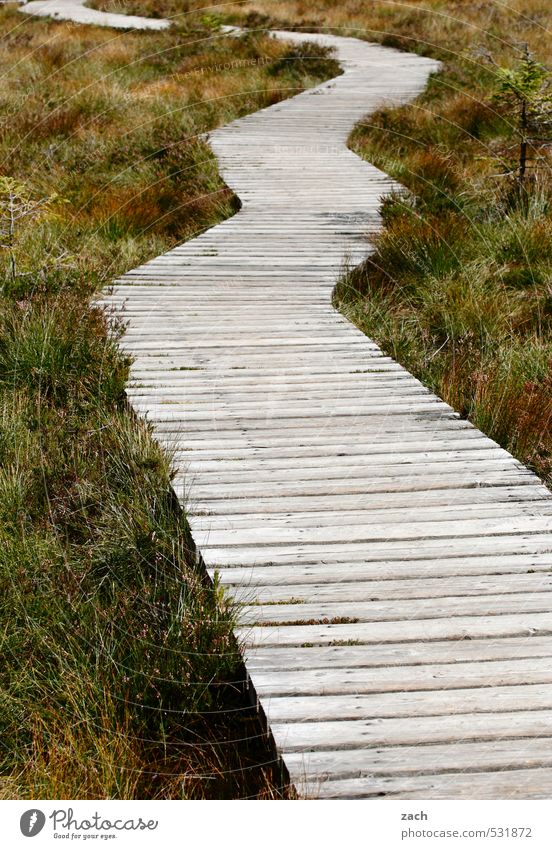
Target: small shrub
point(308, 59)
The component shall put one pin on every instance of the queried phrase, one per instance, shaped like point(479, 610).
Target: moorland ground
point(102, 168)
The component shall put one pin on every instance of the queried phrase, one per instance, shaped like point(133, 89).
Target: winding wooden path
point(80, 13)
point(393, 563)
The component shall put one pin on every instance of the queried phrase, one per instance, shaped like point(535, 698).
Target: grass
point(121, 677)
point(459, 287)
point(176, 10)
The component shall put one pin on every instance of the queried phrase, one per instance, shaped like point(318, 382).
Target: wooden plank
point(341, 680)
point(349, 571)
point(395, 654)
point(289, 709)
point(394, 610)
point(315, 518)
point(76, 10)
point(510, 784)
point(331, 504)
point(450, 628)
point(317, 466)
point(405, 589)
point(420, 548)
point(233, 497)
point(373, 532)
point(313, 736)
point(404, 760)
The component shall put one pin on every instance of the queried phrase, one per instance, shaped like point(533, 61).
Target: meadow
point(121, 676)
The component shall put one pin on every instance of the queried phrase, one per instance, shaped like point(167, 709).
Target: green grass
point(121, 677)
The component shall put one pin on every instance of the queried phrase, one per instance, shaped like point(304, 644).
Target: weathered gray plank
point(406, 589)
point(396, 654)
point(522, 624)
point(510, 784)
point(350, 571)
point(289, 709)
point(356, 734)
point(394, 610)
point(439, 676)
point(404, 760)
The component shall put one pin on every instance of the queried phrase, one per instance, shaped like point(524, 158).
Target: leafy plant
point(19, 207)
point(525, 91)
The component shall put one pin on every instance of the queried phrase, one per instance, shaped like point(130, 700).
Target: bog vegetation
point(118, 658)
point(120, 675)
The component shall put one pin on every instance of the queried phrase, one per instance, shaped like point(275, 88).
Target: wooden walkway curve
point(394, 564)
point(80, 13)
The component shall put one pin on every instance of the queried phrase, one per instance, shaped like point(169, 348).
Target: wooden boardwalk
point(393, 563)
